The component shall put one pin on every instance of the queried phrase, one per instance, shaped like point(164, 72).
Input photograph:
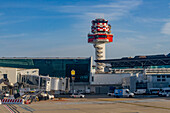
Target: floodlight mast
point(99, 36)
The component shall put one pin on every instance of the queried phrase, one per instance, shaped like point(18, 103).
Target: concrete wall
point(80, 88)
point(13, 73)
point(133, 80)
point(101, 83)
point(130, 83)
point(108, 79)
point(154, 83)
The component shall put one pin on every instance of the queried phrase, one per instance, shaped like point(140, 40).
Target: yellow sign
point(73, 72)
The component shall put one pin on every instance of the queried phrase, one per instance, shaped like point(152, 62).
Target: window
point(5, 76)
point(163, 79)
point(101, 21)
point(163, 76)
point(168, 76)
point(167, 91)
point(158, 79)
point(127, 91)
point(92, 79)
point(103, 36)
point(90, 36)
point(96, 36)
point(158, 76)
point(100, 36)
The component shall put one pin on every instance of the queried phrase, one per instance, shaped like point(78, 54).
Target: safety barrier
point(12, 101)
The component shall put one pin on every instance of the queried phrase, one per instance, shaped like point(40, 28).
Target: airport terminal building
point(55, 67)
point(139, 72)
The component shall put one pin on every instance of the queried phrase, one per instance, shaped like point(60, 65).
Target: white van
point(165, 92)
point(140, 92)
point(123, 93)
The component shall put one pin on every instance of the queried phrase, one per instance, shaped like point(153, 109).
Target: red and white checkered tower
point(101, 34)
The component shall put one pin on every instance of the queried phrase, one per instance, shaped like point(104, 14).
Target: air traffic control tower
point(99, 36)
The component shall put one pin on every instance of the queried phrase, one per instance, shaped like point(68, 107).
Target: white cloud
point(166, 29)
point(149, 20)
point(85, 13)
point(137, 45)
point(125, 31)
point(111, 10)
point(12, 36)
point(12, 21)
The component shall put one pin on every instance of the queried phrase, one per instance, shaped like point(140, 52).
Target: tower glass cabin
point(99, 36)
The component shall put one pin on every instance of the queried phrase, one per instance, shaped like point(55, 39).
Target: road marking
point(13, 108)
point(8, 108)
point(27, 108)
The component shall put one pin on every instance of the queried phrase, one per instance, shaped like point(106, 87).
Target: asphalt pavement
point(106, 96)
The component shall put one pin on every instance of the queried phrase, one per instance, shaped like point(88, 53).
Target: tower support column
point(100, 55)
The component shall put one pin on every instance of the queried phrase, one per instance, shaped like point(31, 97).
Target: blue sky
point(59, 28)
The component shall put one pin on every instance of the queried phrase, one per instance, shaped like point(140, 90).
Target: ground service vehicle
point(111, 94)
point(6, 94)
point(43, 96)
point(77, 95)
point(154, 91)
point(140, 92)
point(165, 92)
point(50, 96)
point(123, 93)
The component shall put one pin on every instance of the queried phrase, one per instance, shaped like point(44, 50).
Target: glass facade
point(152, 67)
point(163, 66)
point(54, 67)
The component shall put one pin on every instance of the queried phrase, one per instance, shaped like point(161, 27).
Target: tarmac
point(93, 105)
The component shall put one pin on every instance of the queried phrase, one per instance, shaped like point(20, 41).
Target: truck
point(123, 93)
point(140, 92)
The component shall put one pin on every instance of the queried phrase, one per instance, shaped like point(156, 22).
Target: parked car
point(77, 95)
point(111, 94)
point(50, 96)
point(165, 92)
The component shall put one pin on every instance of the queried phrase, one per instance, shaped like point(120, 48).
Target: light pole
point(73, 78)
point(39, 82)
